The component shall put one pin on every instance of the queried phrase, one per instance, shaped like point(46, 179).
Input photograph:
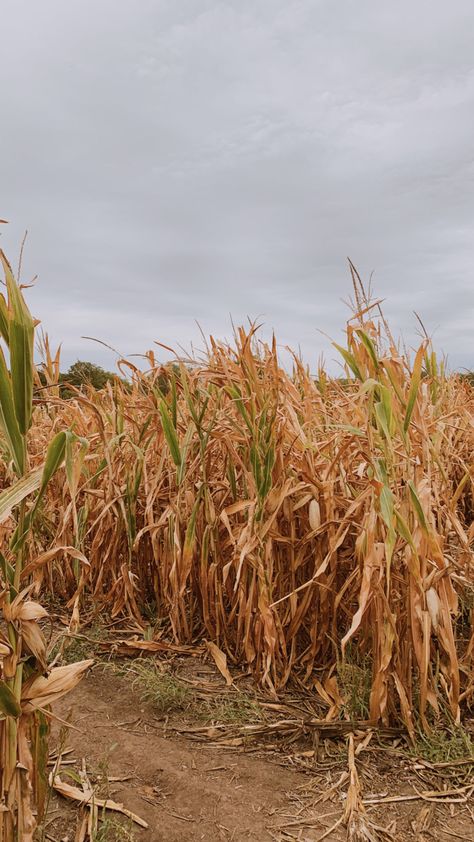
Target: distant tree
point(168, 372)
point(83, 373)
point(468, 376)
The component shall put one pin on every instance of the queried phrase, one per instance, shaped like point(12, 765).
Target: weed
point(235, 708)
point(72, 648)
point(161, 689)
point(451, 742)
point(113, 830)
point(354, 676)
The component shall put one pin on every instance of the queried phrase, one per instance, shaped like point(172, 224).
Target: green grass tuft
point(354, 677)
point(161, 689)
point(445, 744)
point(234, 708)
point(113, 830)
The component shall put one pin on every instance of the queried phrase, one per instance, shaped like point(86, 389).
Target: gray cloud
point(181, 161)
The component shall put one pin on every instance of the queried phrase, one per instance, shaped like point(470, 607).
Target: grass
point(76, 647)
point(443, 744)
point(168, 693)
point(355, 683)
point(164, 691)
point(232, 709)
point(113, 830)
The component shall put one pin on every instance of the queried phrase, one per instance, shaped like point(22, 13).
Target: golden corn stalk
point(27, 688)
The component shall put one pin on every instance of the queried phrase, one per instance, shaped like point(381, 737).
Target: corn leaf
point(8, 419)
point(4, 320)
point(350, 360)
point(9, 705)
point(12, 496)
point(414, 386)
point(170, 434)
point(369, 346)
point(21, 336)
point(418, 507)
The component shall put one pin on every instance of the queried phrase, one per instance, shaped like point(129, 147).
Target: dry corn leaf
point(220, 660)
point(88, 799)
point(42, 691)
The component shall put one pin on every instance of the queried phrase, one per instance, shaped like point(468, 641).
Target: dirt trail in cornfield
point(184, 790)
point(188, 790)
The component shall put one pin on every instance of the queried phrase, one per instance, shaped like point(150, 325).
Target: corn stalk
point(27, 687)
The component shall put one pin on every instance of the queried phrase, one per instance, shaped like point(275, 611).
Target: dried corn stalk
point(293, 520)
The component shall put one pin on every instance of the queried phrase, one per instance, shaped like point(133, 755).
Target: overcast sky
point(186, 160)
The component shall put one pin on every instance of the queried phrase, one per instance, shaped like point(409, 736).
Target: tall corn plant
point(27, 687)
point(399, 537)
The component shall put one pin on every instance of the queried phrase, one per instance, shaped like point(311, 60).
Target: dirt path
point(184, 790)
point(189, 790)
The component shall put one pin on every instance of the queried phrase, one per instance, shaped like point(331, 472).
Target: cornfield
point(297, 521)
point(294, 520)
point(303, 524)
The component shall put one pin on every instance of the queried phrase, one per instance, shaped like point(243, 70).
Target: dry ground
point(194, 789)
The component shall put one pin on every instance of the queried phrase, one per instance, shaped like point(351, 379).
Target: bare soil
point(197, 790)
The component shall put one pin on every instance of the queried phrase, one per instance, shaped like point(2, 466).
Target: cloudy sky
point(182, 160)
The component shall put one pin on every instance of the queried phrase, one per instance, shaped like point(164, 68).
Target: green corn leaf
point(381, 471)
point(11, 497)
point(21, 337)
point(256, 465)
point(415, 384)
point(100, 470)
point(203, 409)
point(418, 507)
point(382, 419)
point(7, 569)
point(266, 482)
point(8, 419)
point(39, 750)
point(394, 384)
point(386, 399)
point(369, 346)
point(387, 506)
point(404, 530)
point(4, 320)
point(236, 396)
point(350, 360)
point(54, 459)
point(187, 394)
point(9, 704)
point(170, 434)
point(143, 432)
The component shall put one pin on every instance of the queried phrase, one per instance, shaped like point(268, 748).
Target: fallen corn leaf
point(87, 798)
